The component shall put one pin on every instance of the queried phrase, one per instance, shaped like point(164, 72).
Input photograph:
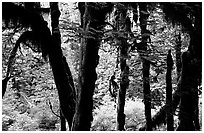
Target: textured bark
point(124, 83)
point(146, 66)
point(169, 112)
point(188, 95)
point(178, 55)
point(124, 25)
point(60, 69)
point(191, 77)
point(93, 18)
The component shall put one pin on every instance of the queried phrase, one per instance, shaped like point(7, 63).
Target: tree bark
point(93, 18)
point(62, 122)
point(124, 83)
point(191, 77)
point(160, 116)
point(178, 55)
point(60, 68)
point(146, 65)
point(188, 95)
point(169, 112)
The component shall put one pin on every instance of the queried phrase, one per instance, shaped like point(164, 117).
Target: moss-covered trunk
point(93, 16)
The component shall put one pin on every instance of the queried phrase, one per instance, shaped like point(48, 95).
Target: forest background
point(31, 101)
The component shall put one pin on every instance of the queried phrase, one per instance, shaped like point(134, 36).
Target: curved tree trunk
point(24, 36)
point(60, 69)
point(169, 112)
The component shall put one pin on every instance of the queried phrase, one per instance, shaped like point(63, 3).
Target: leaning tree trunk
point(92, 22)
point(146, 65)
point(60, 68)
point(169, 112)
point(124, 83)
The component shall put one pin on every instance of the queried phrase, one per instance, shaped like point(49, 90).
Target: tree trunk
point(93, 18)
point(160, 116)
point(60, 69)
point(146, 66)
point(147, 95)
point(190, 77)
point(188, 95)
point(178, 55)
point(124, 83)
point(196, 116)
point(169, 112)
point(62, 122)
point(24, 36)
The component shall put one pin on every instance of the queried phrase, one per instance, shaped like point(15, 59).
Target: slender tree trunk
point(178, 55)
point(93, 18)
point(147, 94)
point(196, 116)
point(124, 83)
point(169, 112)
point(160, 116)
point(60, 69)
point(146, 66)
point(24, 36)
point(123, 24)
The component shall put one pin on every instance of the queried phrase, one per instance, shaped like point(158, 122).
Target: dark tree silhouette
point(190, 79)
point(169, 112)
point(146, 65)
point(124, 25)
point(60, 68)
point(191, 59)
point(92, 20)
point(178, 55)
point(50, 45)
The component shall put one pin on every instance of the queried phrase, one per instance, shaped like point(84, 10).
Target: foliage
point(24, 106)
